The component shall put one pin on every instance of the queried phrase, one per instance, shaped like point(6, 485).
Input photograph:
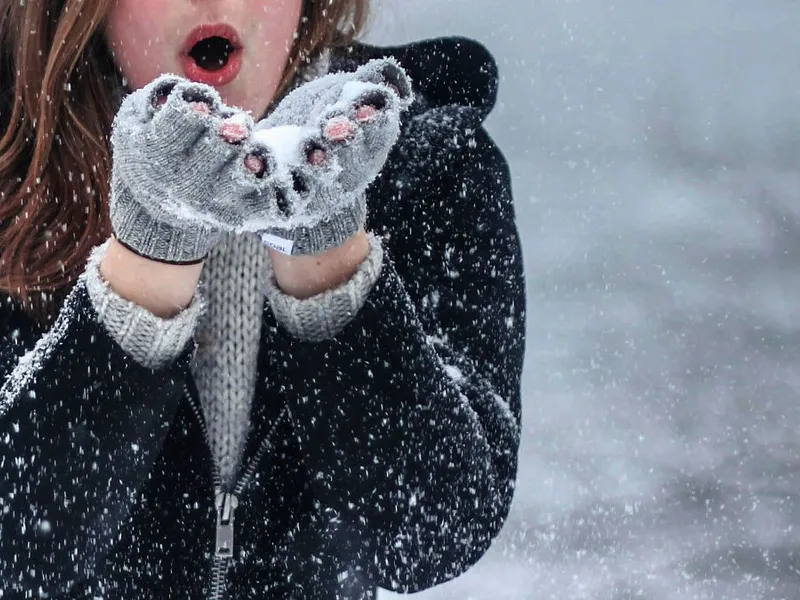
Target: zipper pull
point(226, 504)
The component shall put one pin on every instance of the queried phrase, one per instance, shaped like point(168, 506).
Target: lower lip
point(217, 78)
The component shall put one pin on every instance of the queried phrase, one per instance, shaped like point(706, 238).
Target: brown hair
point(57, 103)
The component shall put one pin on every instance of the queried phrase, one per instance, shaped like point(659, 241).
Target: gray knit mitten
point(331, 138)
point(185, 169)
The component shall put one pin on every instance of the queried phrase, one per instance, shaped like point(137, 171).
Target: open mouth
point(212, 55)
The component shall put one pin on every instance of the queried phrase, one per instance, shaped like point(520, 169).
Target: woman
point(317, 419)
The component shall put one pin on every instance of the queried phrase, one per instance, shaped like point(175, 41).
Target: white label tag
point(279, 244)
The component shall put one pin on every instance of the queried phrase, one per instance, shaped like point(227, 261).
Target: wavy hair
point(58, 98)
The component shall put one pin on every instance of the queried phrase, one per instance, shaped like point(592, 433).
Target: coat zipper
point(227, 501)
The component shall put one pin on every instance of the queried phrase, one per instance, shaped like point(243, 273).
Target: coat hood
point(445, 71)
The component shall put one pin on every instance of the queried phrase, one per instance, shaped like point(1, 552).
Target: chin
point(245, 100)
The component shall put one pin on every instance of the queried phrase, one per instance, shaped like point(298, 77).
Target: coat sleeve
point(409, 419)
point(81, 423)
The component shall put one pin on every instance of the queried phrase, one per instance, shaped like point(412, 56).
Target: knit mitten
point(331, 138)
point(185, 169)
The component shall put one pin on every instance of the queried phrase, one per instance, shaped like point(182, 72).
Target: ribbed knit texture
point(228, 335)
point(323, 316)
point(328, 233)
point(150, 340)
point(235, 278)
point(138, 229)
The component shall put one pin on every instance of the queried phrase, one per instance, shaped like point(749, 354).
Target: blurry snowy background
point(655, 148)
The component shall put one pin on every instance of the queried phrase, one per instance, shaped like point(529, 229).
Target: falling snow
point(653, 150)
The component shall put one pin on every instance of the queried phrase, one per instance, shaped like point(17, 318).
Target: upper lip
point(202, 32)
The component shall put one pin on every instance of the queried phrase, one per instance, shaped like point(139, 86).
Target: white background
point(655, 149)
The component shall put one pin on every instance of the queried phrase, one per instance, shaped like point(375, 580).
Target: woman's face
point(243, 59)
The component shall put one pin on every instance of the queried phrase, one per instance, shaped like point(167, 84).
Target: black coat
point(395, 466)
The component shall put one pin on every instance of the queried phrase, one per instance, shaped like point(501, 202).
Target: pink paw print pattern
point(190, 160)
point(347, 123)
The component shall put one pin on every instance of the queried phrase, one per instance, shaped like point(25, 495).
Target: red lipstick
point(230, 60)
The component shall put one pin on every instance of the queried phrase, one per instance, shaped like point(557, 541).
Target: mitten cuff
point(323, 316)
point(149, 340)
point(137, 229)
point(329, 233)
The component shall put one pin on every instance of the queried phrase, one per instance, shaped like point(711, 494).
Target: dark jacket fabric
point(396, 462)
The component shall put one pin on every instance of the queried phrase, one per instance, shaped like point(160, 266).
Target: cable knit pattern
point(228, 335)
point(325, 315)
point(150, 340)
